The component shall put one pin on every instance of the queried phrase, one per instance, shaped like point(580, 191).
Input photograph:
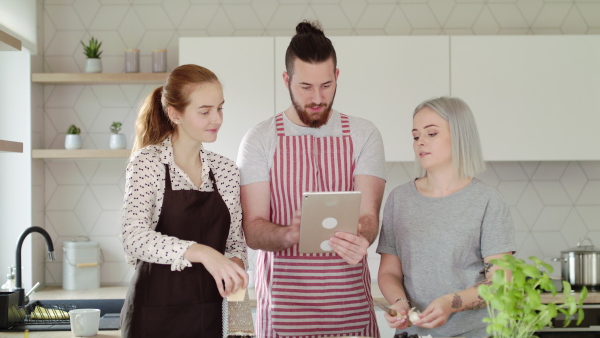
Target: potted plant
point(514, 303)
point(73, 139)
point(93, 52)
point(117, 141)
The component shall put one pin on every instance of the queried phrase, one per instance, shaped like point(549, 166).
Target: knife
point(388, 310)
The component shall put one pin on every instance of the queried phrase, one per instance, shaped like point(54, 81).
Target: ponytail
point(152, 125)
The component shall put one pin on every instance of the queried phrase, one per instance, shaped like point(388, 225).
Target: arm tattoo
point(475, 305)
point(456, 301)
point(476, 286)
point(479, 303)
point(486, 268)
point(485, 281)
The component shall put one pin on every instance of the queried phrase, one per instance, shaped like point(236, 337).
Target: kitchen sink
point(110, 313)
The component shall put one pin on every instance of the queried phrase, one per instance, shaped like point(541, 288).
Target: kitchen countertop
point(592, 297)
point(119, 292)
point(106, 292)
point(57, 292)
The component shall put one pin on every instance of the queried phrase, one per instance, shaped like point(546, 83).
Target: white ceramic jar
point(81, 265)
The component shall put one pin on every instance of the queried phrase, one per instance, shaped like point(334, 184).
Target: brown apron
point(164, 303)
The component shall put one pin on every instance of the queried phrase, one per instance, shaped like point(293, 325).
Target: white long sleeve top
point(144, 191)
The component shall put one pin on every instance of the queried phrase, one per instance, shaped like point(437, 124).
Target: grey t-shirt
point(257, 149)
point(441, 243)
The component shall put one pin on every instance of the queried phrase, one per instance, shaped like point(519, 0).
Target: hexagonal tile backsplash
point(554, 204)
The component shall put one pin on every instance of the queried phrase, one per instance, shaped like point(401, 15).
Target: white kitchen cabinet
point(535, 98)
point(244, 66)
point(382, 79)
point(16, 175)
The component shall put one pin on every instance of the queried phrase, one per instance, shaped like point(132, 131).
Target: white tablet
point(324, 214)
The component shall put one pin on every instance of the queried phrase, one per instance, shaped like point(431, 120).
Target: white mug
point(84, 322)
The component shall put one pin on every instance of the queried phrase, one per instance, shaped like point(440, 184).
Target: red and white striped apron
point(311, 295)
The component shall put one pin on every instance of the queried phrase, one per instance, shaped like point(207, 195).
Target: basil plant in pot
point(73, 139)
point(514, 303)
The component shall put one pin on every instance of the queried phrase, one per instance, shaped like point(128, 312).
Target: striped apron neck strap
point(279, 124)
point(345, 125)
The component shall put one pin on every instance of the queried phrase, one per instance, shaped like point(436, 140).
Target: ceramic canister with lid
point(81, 265)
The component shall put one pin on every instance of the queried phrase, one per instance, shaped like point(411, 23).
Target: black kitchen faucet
point(51, 257)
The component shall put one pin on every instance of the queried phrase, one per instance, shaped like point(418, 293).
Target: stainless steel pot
point(580, 266)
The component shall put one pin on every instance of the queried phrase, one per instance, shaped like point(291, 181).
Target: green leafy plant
point(73, 130)
point(92, 49)
point(514, 303)
point(115, 127)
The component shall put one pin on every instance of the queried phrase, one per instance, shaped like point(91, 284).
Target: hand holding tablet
point(324, 214)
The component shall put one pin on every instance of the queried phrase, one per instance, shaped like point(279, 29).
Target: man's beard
point(309, 119)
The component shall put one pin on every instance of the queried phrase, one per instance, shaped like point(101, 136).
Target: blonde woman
point(441, 230)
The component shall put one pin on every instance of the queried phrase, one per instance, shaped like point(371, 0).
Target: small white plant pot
point(73, 141)
point(118, 141)
point(93, 66)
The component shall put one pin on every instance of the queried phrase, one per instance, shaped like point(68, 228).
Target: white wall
point(15, 168)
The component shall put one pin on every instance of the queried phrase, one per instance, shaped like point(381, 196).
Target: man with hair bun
point(310, 147)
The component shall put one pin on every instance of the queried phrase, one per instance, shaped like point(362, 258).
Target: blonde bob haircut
point(466, 146)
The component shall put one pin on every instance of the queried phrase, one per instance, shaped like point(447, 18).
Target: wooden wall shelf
point(10, 146)
point(9, 43)
point(79, 153)
point(98, 78)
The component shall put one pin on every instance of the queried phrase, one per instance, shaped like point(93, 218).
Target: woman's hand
point(401, 320)
point(436, 314)
point(228, 274)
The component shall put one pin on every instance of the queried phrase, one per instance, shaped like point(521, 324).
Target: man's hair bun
point(308, 27)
